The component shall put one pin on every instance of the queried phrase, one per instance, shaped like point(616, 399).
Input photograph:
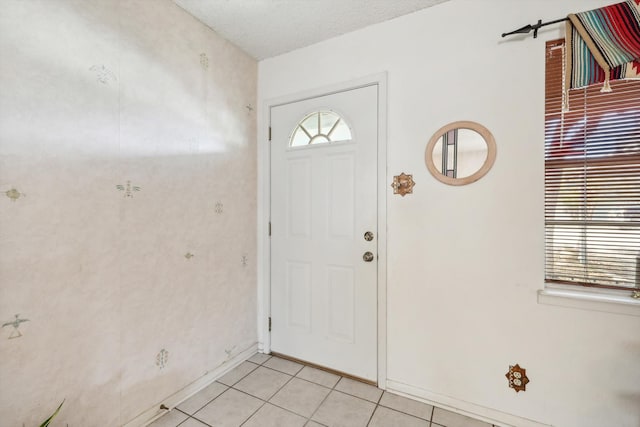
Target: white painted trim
point(383, 189)
point(153, 413)
point(482, 413)
point(264, 196)
point(608, 303)
point(263, 266)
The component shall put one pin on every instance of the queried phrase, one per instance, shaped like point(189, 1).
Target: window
point(318, 128)
point(592, 181)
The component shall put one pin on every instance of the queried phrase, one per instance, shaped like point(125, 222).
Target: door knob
point(367, 257)
point(368, 236)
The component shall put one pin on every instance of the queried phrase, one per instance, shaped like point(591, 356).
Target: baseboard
point(452, 404)
point(153, 413)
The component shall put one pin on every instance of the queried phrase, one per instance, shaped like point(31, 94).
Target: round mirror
point(460, 153)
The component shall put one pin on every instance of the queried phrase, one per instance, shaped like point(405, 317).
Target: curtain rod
point(535, 27)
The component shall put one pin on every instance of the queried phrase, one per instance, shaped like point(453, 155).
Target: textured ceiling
point(266, 28)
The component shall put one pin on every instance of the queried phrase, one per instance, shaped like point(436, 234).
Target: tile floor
point(268, 391)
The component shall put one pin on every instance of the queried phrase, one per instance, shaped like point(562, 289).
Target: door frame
point(264, 211)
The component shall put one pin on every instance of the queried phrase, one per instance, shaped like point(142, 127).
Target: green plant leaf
point(48, 420)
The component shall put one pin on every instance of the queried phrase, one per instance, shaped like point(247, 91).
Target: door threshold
point(324, 368)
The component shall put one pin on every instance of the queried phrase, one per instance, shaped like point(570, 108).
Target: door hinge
point(269, 228)
point(269, 324)
point(269, 133)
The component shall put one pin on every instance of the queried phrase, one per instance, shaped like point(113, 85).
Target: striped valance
point(603, 44)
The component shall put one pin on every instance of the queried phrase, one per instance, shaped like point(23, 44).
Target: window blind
point(592, 181)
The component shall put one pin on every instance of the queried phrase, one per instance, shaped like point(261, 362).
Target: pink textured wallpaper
point(127, 207)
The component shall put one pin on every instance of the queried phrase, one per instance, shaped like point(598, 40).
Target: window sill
point(618, 304)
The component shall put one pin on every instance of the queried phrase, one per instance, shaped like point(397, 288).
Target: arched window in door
point(320, 127)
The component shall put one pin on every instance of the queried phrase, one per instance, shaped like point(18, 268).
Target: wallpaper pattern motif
point(128, 189)
point(103, 74)
point(15, 323)
point(14, 194)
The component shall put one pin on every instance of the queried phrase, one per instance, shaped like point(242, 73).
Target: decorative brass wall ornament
point(517, 377)
point(403, 184)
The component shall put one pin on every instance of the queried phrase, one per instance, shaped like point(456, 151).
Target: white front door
point(323, 202)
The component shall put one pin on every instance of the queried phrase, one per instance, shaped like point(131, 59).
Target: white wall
point(103, 278)
point(464, 264)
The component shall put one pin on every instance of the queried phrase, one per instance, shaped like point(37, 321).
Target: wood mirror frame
point(486, 166)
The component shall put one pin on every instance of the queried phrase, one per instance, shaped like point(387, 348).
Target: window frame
point(588, 293)
point(317, 133)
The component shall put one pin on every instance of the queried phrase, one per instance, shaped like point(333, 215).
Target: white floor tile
point(272, 416)
point(343, 410)
point(282, 365)
point(206, 395)
point(451, 419)
point(408, 406)
point(301, 397)
point(263, 383)
point(170, 419)
point(237, 373)
point(192, 423)
point(318, 376)
point(259, 358)
point(385, 417)
point(358, 389)
point(230, 409)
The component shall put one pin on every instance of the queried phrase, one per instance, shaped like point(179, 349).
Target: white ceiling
point(266, 28)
